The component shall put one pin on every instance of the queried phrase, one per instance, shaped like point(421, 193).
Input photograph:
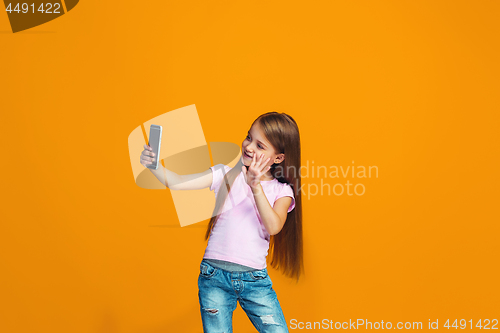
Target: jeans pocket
point(259, 275)
point(207, 270)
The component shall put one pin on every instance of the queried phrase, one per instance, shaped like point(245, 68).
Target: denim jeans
point(220, 290)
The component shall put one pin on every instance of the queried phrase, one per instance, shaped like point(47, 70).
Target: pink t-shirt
point(239, 235)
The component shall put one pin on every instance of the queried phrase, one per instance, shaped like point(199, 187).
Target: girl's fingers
point(147, 156)
point(263, 167)
point(258, 164)
point(259, 161)
point(253, 160)
point(148, 153)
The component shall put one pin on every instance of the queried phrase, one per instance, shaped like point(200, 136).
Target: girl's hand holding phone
point(147, 156)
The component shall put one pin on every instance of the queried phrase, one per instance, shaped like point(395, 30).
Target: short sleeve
point(287, 191)
point(218, 172)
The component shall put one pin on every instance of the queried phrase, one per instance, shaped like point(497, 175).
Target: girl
point(264, 213)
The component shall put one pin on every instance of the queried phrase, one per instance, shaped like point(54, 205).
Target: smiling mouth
point(246, 155)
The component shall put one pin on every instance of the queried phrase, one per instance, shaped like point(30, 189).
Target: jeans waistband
point(229, 266)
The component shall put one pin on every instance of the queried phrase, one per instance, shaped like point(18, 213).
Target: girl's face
point(256, 144)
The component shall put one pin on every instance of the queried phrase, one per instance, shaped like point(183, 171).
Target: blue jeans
point(220, 290)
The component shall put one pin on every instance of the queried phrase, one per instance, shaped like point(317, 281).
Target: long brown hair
point(285, 248)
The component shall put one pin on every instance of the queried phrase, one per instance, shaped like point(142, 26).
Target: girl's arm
point(272, 218)
point(173, 181)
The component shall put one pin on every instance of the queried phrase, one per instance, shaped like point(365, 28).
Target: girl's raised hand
point(256, 170)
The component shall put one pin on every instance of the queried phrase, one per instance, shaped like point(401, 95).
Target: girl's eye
point(248, 138)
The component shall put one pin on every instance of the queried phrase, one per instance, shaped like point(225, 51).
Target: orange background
point(410, 87)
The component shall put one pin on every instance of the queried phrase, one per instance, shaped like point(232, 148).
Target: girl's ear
point(280, 158)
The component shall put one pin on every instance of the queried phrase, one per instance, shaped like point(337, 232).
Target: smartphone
point(155, 143)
